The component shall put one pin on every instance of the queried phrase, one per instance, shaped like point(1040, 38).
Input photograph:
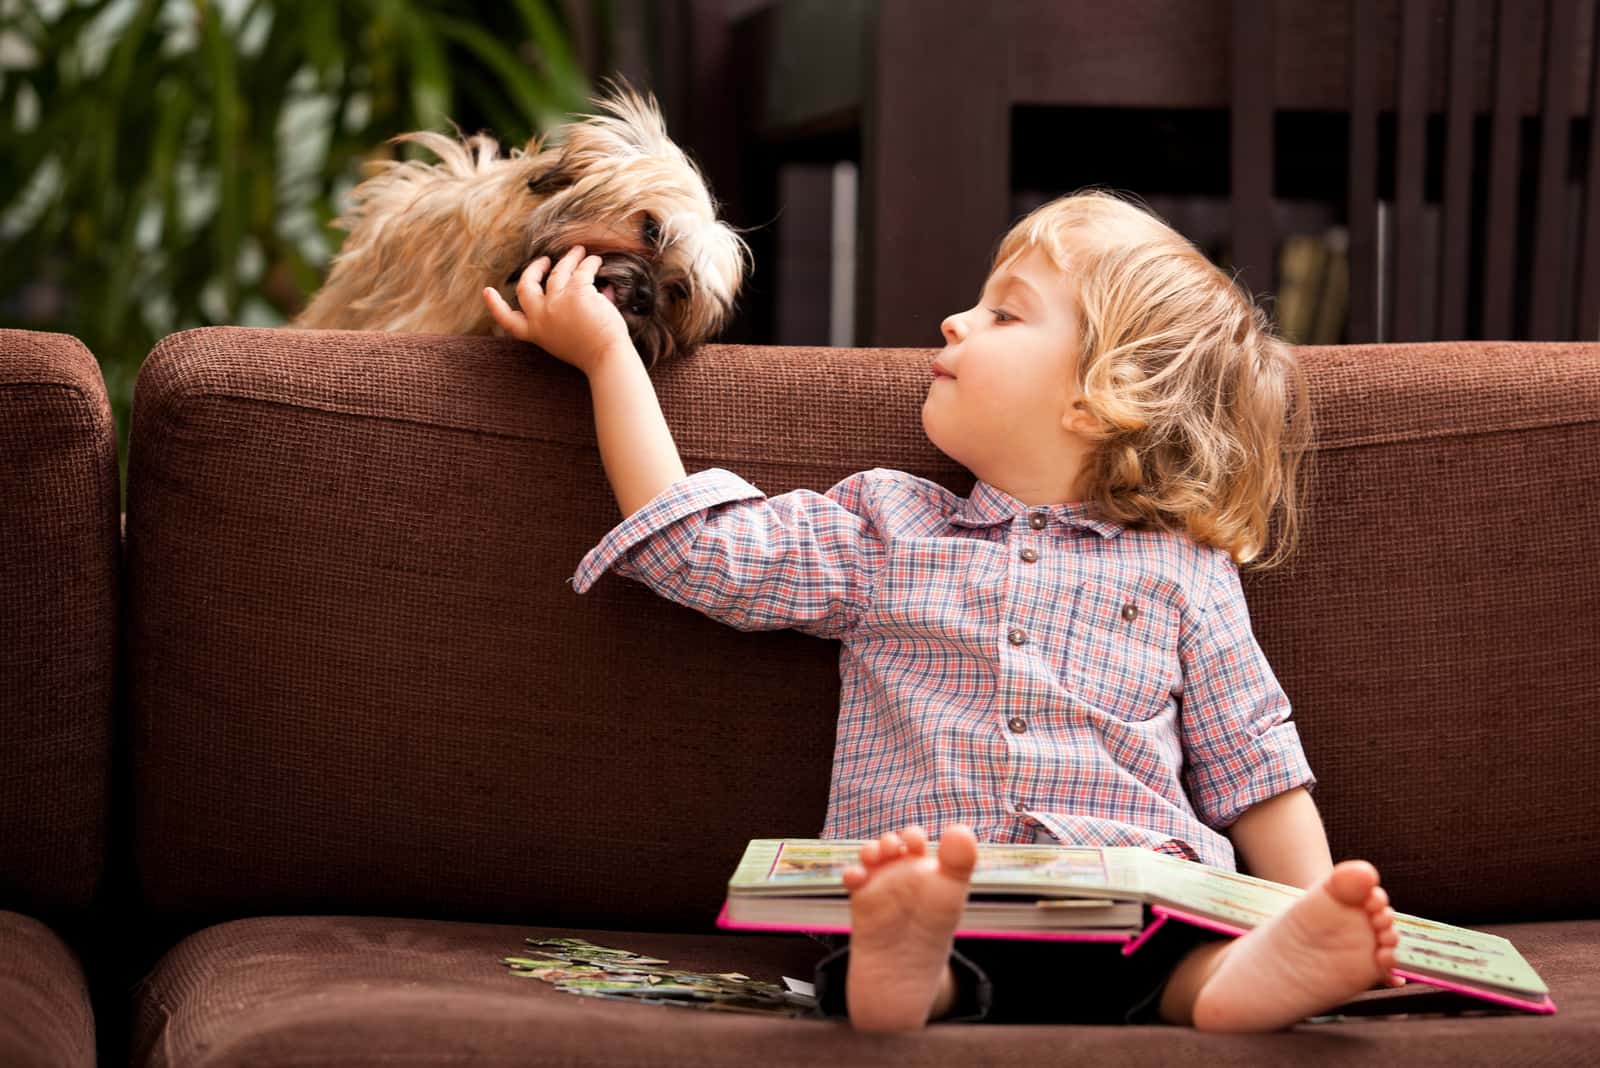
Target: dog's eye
point(652, 231)
point(677, 293)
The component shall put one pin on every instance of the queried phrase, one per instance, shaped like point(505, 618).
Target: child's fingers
point(535, 269)
point(584, 275)
point(529, 288)
point(561, 273)
point(507, 318)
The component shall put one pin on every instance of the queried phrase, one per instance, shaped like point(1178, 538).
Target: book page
point(1460, 953)
point(806, 866)
point(777, 865)
point(1045, 868)
point(1425, 946)
point(1229, 896)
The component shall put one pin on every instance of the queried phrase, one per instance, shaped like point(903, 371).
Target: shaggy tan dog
point(425, 239)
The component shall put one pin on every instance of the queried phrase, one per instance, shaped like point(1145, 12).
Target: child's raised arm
point(571, 320)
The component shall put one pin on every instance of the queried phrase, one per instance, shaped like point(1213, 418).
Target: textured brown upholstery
point(59, 551)
point(1439, 632)
point(360, 680)
point(58, 619)
point(359, 684)
point(362, 991)
point(45, 1016)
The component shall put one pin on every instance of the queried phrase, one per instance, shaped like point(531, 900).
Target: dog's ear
point(552, 180)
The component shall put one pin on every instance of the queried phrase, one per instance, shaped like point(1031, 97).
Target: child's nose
point(953, 329)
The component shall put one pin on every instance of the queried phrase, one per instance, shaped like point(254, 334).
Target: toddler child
point(1062, 655)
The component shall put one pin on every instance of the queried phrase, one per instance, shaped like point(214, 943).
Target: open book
point(1106, 894)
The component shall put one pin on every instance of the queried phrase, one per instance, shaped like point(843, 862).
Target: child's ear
point(1078, 419)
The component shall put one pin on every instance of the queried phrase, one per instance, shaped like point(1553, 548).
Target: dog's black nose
point(644, 299)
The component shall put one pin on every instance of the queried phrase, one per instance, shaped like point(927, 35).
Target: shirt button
point(1037, 520)
point(1029, 555)
point(1017, 636)
point(1017, 724)
point(1130, 612)
point(1020, 809)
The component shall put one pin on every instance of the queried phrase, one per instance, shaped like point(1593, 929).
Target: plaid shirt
point(1007, 666)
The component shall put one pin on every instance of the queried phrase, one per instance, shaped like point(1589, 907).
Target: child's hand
point(564, 314)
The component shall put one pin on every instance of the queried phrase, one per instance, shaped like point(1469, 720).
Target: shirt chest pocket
point(1122, 650)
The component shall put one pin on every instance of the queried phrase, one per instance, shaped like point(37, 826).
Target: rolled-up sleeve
point(717, 544)
point(1239, 745)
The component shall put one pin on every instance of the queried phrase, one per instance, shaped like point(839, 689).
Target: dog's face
point(618, 186)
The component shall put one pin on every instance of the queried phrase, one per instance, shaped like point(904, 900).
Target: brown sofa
point(368, 739)
point(59, 553)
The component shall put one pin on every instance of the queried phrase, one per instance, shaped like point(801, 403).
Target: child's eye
point(1002, 316)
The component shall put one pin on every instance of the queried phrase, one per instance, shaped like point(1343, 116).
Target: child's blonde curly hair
point(1204, 415)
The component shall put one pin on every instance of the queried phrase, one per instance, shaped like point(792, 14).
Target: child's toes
point(915, 839)
point(881, 851)
point(958, 851)
point(854, 877)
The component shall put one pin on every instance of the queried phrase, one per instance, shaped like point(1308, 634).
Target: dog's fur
point(425, 239)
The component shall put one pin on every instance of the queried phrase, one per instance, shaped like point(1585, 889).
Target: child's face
point(1003, 397)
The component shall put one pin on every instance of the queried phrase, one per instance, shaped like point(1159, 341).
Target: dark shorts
point(1003, 981)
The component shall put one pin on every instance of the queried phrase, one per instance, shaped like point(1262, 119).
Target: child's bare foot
point(904, 906)
point(1333, 943)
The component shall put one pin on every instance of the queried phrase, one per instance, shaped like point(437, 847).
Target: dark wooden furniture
point(1473, 113)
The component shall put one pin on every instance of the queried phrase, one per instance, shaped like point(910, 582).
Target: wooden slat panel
point(1588, 326)
point(1505, 154)
point(1456, 223)
point(1550, 233)
point(935, 170)
point(1251, 143)
point(1411, 320)
point(1363, 186)
point(1076, 52)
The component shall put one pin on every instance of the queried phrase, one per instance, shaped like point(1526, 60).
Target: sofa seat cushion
point(361, 991)
point(45, 1016)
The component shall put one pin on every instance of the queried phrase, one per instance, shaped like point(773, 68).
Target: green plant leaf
point(430, 75)
point(540, 107)
point(551, 45)
point(227, 127)
point(180, 124)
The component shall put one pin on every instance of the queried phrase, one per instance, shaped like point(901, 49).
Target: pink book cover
point(1025, 936)
point(1160, 914)
point(1132, 942)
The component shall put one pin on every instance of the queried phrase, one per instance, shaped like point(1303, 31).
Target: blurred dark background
point(1372, 169)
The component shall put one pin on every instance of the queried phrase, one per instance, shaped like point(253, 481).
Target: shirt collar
point(987, 506)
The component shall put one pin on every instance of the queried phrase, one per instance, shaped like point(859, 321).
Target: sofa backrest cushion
point(360, 681)
point(59, 554)
point(1439, 630)
point(360, 678)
